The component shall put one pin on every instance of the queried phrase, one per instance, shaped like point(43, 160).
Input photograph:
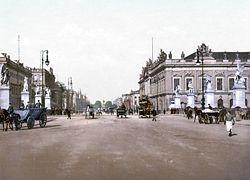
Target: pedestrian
point(210, 107)
point(154, 115)
point(229, 122)
point(195, 112)
point(69, 114)
point(164, 111)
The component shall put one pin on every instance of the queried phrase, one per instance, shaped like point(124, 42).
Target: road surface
point(134, 148)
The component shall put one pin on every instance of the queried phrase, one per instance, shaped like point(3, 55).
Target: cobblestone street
point(108, 148)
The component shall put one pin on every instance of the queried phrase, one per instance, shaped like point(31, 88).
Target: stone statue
point(182, 55)
point(190, 87)
point(47, 92)
point(5, 76)
point(170, 55)
point(177, 90)
point(163, 56)
point(209, 83)
point(238, 74)
point(25, 84)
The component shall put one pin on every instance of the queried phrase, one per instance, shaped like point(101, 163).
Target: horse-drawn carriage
point(121, 111)
point(207, 116)
point(145, 107)
point(29, 116)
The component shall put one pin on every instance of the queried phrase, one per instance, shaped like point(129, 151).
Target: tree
point(108, 104)
point(98, 104)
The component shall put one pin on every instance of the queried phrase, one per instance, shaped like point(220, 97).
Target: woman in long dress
point(229, 122)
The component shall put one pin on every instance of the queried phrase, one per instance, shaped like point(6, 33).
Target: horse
point(189, 112)
point(6, 120)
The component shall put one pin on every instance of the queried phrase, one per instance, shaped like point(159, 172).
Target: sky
point(103, 44)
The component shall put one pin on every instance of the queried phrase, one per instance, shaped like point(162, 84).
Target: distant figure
point(164, 111)
point(68, 113)
point(154, 115)
point(38, 104)
point(210, 107)
point(195, 112)
point(229, 122)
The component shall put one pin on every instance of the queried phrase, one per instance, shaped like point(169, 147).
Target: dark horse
point(5, 119)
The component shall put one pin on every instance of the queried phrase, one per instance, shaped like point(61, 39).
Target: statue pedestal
point(209, 98)
point(177, 102)
point(47, 102)
point(25, 97)
point(239, 96)
point(190, 100)
point(4, 97)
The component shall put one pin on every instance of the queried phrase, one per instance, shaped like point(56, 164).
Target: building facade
point(12, 76)
point(160, 78)
point(131, 100)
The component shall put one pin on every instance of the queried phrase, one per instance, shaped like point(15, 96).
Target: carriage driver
point(10, 110)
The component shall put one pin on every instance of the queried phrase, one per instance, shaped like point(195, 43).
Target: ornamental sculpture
point(238, 74)
point(5, 76)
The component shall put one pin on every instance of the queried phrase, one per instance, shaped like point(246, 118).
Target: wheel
point(43, 120)
point(30, 122)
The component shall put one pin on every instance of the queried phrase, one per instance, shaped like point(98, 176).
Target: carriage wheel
point(43, 120)
point(30, 122)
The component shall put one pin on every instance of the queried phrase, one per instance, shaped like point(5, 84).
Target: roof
point(231, 56)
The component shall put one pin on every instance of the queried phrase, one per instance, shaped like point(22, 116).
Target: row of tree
point(106, 105)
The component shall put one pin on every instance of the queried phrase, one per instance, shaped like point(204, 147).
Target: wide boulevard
point(111, 148)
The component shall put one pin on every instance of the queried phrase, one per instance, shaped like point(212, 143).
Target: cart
point(209, 116)
point(29, 116)
point(121, 111)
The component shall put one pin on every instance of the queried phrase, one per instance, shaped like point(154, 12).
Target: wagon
point(29, 116)
point(121, 112)
point(208, 116)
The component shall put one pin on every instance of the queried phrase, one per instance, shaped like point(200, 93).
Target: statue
point(208, 83)
point(47, 92)
point(170, 55)
point(182, 55)
point(238, 74)
point(177, 90)
point(25, 84)
point(163, 56)
point(190, 87)
point(5, 76)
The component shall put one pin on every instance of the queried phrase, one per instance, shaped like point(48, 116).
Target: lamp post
point(200, 54)
point(47, 63)
point(157, 93)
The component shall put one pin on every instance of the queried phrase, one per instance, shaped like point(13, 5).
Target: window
point(219, 83)
point(176, 82)
point(231, 83)
point(188, 80)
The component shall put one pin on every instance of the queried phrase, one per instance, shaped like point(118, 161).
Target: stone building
point(12, 81)
point(131, 100)
point(160, 78)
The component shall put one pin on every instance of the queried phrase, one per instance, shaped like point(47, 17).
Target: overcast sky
point(103, 44)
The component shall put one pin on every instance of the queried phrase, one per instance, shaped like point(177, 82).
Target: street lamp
point(47, 63)
point(157, 93)
point(200, 54)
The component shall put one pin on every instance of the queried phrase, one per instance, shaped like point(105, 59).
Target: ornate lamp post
point(47, 63)
point(200, 54)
